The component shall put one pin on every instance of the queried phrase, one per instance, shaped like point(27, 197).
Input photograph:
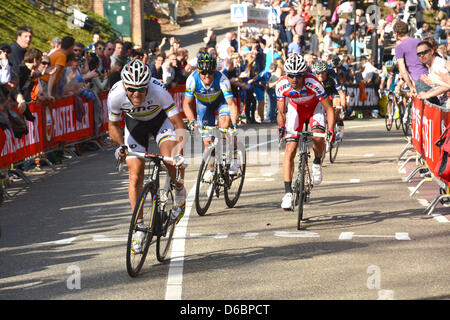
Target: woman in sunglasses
point(149, 110)
point(210, 90)
point(306, 101)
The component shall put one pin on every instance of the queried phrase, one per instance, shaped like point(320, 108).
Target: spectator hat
point(329, 29)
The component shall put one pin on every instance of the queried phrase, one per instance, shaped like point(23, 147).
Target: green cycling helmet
point(206, 62)
point(319, 67)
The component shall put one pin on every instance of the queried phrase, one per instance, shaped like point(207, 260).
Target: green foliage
point(45, 25)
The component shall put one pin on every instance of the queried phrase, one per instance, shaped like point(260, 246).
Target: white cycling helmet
point(136, 73)
point(295, 64)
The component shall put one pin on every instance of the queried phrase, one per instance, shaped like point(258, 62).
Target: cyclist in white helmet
point(149, 110)
point(306, 101)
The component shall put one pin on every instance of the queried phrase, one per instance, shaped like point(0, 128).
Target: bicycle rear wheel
point(301, 193)
point(148, 206)
point(167, 227)
point(234, 188)
point(388, 118)
point(206, 184)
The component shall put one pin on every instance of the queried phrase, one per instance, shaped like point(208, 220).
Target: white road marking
point(355, 180)
point(351, 235)
point(298, 234)
point(62, 241)
point(102, 238)
point(175, 278)
point(440, 218)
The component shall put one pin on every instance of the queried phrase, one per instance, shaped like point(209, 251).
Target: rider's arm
point(189, 98)
point(115, 132)
point(281, 103)
point(343, 99)
point(328, 106)
point(281, 117)
point(233, 110)
point(188, 108)
point(405, 75)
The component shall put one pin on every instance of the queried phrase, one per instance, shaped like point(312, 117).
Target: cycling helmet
point(136, 73)
point(319, 67)
point(389, 64)
point(335, 62)
point(206, 62)
point(295, 64)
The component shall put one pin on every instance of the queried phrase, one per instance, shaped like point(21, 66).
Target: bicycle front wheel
point(205, 186)
point(406, 120)
point(140, 235)
point(236, 182)
point(301, 193)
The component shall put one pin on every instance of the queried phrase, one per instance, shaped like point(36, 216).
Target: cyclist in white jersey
point(149, 110)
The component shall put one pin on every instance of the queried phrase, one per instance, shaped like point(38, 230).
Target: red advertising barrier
point(15, 150)
point(54, 123)
point(428, 123)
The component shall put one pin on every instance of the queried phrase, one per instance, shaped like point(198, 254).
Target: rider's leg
point(136, 179)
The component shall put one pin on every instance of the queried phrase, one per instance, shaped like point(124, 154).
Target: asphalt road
point(64, 237)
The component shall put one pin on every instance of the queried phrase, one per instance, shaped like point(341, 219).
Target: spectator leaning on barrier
point(20, 46)
point(58, 60)
point(5, 68)
point(28, 74)
point(410, 67)
point(435, 65)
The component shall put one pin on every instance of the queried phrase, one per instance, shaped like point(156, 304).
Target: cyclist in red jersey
point(301, 97)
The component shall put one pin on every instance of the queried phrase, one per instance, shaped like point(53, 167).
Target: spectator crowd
point(358, 46)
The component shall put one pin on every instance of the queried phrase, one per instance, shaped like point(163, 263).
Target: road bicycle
point(154, 206)
point(213, 174)
point(302, 184)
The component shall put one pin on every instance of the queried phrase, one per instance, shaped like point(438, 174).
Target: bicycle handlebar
point(308, 133)
point(120, 162)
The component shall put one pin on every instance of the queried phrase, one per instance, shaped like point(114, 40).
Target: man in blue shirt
point(295, 46)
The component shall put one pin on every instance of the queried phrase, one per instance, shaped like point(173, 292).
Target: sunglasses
point(45, 63)
point(298, 75)
point(207, 72)
point(140, 90)
point(100, 49)
point(422, 53)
